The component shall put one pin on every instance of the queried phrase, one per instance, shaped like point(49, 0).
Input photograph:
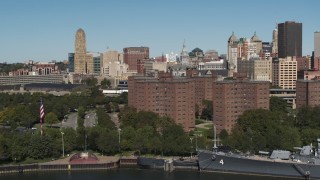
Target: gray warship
point(304, 164)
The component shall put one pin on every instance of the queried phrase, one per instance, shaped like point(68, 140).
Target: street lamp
point(191, 147)
point(119, 130)
point(62, 133)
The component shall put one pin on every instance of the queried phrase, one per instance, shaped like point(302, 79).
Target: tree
point(51, 118)
point(70, 142)
point(143, 139)
point(105, 83)
point(278, 104)
point(3, 148)
point(207, 111)
point(107, 142)
point(104, 120)
point(128, 137)
point(91, 81)
point(41, 147)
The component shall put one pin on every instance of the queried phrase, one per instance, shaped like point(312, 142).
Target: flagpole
point(41, 115)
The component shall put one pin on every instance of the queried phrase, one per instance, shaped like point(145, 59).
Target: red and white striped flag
point(41, 114)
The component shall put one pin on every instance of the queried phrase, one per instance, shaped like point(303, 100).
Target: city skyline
point(45, 30)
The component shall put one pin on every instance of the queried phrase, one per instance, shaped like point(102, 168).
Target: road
point(90, 119)
point(70, 121)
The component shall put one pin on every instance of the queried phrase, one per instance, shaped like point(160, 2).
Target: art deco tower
point(83, 62)
point(80, 43)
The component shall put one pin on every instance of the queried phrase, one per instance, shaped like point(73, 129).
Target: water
point(128, 174)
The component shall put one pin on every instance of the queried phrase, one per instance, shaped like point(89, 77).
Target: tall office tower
point(317, 44)
point(284, 72)
point(71, 62)
point(131, 55)
point(275, 43)
point(232, 55)
point(289, 39)
point(83, 62)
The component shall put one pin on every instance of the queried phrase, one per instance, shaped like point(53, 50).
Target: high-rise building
point(275, 43)
point(255, 46)
point(232, 55)
point(112, 64)
point(131, 55)
point(284, 72)
point(317, 44)
point(256, 69)
point(232, 98)
point(96, 65)
point(308, 93)
point(71, 62)
point(289, 39)
point(83, 62)
point(166, 96)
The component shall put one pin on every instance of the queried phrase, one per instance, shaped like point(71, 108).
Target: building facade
point(317, 44)
point(131, 55)
point(308, 93)
point(275, 43)
point(71, 62)
point(83, 62)
point(256, 69)
point(166, 96)
point(232, 98)
point(284, 72)
point(289, 39)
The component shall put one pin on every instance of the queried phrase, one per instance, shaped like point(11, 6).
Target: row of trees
point(278, 128)
point(141, 132)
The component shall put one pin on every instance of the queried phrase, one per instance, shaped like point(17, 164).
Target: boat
point(304, 164)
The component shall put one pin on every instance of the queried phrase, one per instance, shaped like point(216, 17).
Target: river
point(128, 174)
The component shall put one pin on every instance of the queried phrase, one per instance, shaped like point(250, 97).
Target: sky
point(44, 30)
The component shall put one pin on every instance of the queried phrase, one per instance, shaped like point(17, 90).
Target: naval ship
point(305, 164)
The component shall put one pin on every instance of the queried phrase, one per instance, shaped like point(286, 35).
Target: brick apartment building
point(178, 96)
point(232, 98)
point(164, 95)
point(131, 55)
point(308, 93)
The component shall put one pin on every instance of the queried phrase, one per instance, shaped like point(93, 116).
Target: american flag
point(41, 114)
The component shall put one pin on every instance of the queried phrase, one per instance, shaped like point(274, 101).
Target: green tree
point(278, 104)
point(40, 147)
point(104, 120)
point(3, 148)
point(128, 137)
point(91, 81)
point(207, 111)
point(51, 118)
point(105, 83)
point(108, 143)
point(70, 142)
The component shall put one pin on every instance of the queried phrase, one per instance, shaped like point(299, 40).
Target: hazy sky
point(43, 30)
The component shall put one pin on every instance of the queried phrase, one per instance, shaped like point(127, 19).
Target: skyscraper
point(289, 39)
point(275, 43)
point(83, 62)
point(317, 44)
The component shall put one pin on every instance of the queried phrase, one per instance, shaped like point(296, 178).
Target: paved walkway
point(204, 125)
point(102, 159)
